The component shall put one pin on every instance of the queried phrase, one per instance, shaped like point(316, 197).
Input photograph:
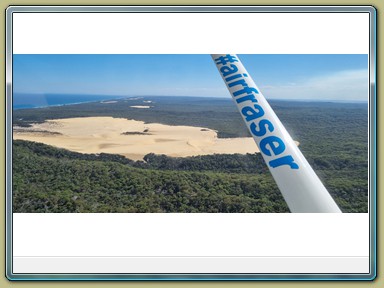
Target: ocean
point(24, 100)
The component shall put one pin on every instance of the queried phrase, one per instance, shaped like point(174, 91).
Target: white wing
point(301, 188)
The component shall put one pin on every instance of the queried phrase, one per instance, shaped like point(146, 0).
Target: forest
point(332, 136)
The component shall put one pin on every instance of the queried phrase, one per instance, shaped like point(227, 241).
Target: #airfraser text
point(253, 113)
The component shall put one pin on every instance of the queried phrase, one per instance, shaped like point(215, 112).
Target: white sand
point(104, 134)
point(108, 102)
point(140, 107)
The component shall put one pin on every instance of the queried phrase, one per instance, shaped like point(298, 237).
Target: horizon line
point(195, 96)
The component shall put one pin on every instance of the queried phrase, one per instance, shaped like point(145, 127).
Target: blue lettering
point(230, 78)
point(238, 82)
point(245, 90)
point(271, 145)
point(275, 143)
point(263, 125)
point(224, 59)
point(251, 114)
point(228, 71)
point(285, 160)
point(249, 97)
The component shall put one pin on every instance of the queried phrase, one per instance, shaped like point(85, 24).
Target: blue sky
point(316, 77)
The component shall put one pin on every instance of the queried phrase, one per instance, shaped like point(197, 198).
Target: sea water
point(24, 101)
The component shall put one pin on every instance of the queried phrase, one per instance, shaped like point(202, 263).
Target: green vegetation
point(333, 137)
point(47, 179)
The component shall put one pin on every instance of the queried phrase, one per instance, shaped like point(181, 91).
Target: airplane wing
point(301, 187)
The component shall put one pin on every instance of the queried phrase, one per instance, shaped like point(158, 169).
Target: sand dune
point(141, 106)
point(131, 138)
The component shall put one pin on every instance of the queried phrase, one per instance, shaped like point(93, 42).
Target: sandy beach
point(140, 106)
point(132, 139)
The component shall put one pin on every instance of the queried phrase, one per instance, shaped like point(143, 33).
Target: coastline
point(44, 99)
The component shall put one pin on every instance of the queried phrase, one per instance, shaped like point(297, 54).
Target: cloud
point(343, 85)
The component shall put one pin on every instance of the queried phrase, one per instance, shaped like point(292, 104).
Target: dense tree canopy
point(333, 137)
point(48, 179)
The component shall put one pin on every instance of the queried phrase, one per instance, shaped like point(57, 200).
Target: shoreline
point(67, 104)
